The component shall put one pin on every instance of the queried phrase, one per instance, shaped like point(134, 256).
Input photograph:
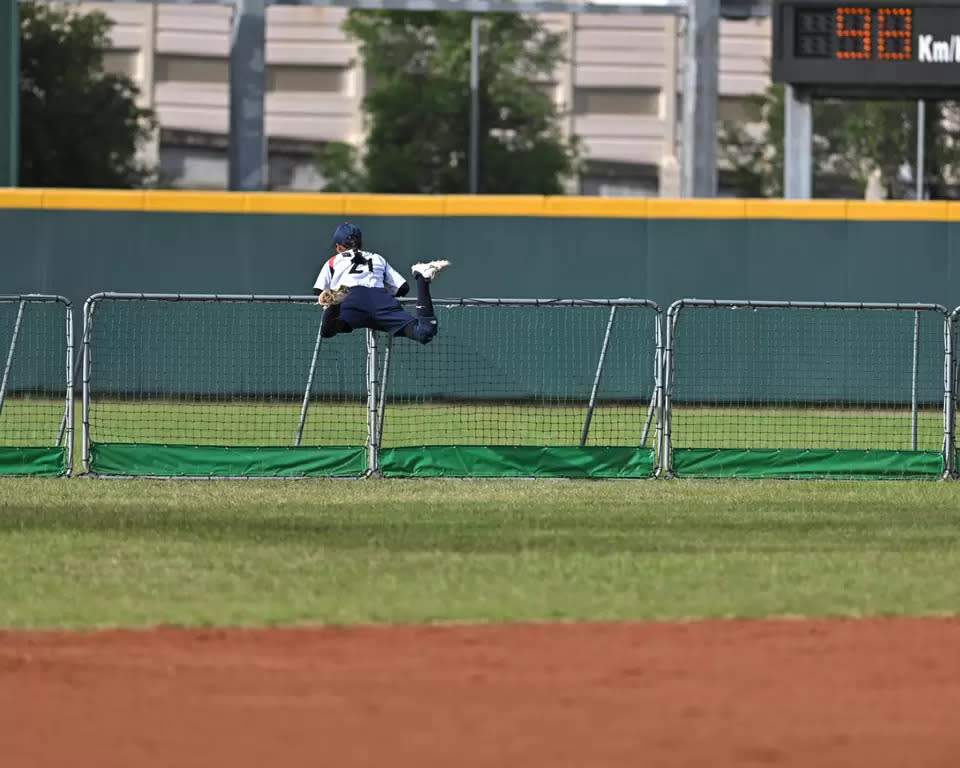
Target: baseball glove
point(330, 297)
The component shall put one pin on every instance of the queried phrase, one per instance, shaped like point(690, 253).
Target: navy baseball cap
point(347, 234)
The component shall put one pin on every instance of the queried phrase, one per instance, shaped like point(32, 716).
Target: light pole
point(475, 23)
point(701, 84)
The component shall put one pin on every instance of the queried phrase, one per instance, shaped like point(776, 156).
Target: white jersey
point(358, 268)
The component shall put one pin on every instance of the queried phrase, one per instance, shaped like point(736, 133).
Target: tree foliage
point(417, 109)
point(79, 125)
point(852, 141)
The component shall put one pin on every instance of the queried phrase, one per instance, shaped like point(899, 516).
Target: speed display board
point(872, 46)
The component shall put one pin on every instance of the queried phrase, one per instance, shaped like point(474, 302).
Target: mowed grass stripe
point(336, 424)
point(106, 553)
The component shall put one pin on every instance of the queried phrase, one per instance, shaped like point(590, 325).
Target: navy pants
point(377, 309)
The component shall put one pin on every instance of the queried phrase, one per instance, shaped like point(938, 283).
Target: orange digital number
point(854, 24)
point(895, 24)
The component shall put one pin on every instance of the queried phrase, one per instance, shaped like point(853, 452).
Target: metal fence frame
point(376, 378)
point(948, 365)
point(951, 383)
point(654, 409)
point(89, 307)
point(65, 431)
point(665, 349)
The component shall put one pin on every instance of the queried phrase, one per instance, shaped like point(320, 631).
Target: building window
point(306, 79)
point(190, 160)
point(121, 63)
point(294, 172)
point(616, 101)
point(739, 109)
point(191, 69)
point(607, 179)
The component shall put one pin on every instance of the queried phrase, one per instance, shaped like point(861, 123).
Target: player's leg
point(424, 327)
point(331, 324)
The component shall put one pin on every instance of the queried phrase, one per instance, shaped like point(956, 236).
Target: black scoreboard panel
point(872, 46)
point(857, 34)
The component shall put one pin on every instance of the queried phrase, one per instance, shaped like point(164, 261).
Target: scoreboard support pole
point(9, 91)
point(798, 145)
point(920, 170)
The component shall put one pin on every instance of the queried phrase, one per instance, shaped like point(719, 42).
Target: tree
point(417, 110)
point(754, 152)
point(79, 125)
point(852, 141)
point(882, 136)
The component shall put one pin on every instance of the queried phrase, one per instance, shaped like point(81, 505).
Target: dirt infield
point(792, 693)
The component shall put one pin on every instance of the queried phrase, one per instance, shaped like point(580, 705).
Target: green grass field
point(266, 424)
point(88, 553)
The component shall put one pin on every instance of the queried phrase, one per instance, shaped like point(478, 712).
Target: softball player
point(359, 289)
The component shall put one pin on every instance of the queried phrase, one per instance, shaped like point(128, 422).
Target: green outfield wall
point(76, 243)
point(79, 242)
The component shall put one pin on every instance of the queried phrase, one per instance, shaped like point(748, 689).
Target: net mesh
point(755, 377)
point(224, 372)
point(500, 374)
point(33, 357)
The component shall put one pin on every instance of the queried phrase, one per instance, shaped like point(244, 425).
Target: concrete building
point(622, 88)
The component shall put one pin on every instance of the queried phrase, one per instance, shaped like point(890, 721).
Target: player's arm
point(393, 281)
point(322, 284)
point(324, 281)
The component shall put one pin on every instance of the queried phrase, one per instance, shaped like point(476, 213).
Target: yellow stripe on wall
point(92, 199)
point(171, 201)
point(807, 210)
point(898, 210)
point(712, 208)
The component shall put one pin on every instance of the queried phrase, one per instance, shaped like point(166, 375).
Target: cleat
point(331, 297)
point(428, 270)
